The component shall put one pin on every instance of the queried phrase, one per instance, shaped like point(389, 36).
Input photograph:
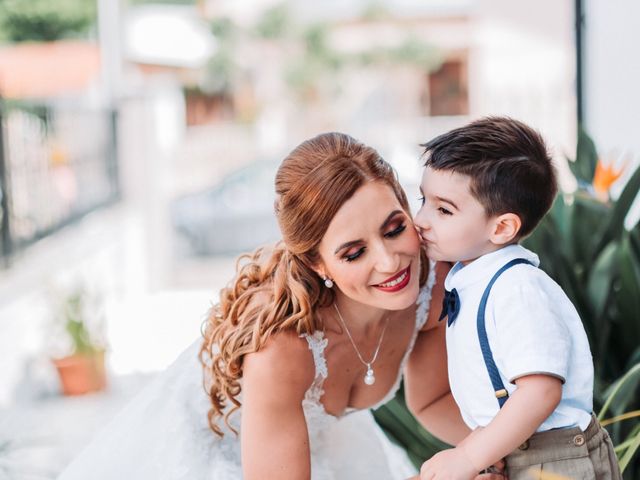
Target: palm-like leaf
point(402, 428)
point(614, 226)
point(584, 166)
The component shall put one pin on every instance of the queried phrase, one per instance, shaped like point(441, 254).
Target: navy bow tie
point(450, 306)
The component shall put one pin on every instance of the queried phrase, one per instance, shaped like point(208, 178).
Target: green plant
point(584, 245)
point(78, 318)
point(313, 63)
point(274, 23)
point(619, 396)
point(75, 324)
point(399, 425)
point(81, 362)
point(375, 10)
point(43, 20)
point(222, 68)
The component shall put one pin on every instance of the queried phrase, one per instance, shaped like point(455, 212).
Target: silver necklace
point(369, 377)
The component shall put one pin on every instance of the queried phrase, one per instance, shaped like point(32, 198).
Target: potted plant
point(83, 369)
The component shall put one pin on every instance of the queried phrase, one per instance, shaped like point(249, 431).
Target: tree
point(45, 20)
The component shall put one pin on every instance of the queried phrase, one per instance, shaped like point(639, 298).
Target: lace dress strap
point(317, 344)
point(424, 297)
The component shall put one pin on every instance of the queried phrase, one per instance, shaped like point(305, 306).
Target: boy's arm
point(427, 389)
point(534, 400)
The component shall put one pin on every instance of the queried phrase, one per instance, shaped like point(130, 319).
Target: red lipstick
point(397, 282)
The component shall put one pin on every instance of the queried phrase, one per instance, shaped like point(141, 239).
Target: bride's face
point(371, 250)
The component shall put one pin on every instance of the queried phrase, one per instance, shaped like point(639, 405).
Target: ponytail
point(272, 292)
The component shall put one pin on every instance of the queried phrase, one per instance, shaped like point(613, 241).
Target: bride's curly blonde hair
point(276, 289)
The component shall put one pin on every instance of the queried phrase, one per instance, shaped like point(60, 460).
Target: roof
point(36, 70)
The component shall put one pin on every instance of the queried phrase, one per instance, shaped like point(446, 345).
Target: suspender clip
point(501, 393)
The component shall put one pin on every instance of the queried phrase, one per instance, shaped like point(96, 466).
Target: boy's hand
point(495, 472)
point(452, 464)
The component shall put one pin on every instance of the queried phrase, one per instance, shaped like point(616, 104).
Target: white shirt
point(532, 327)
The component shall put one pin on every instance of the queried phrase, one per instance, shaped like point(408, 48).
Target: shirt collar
point(483, 268)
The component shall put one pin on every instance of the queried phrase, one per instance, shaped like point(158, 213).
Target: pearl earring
point(328, 282)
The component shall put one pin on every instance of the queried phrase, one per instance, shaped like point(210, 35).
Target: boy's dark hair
point(510, 168)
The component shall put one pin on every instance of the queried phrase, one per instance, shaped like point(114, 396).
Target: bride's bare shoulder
point(282, 358)
point(285, 359)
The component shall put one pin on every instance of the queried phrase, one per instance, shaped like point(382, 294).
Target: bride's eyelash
point(393, 233)
point(354, 256)
point(396, 231)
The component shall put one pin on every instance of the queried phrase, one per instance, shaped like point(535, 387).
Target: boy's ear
point(505, 228)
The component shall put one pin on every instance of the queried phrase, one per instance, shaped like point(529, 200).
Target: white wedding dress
point(163, 433)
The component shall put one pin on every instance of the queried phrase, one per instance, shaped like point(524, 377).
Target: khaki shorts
point(568, 452)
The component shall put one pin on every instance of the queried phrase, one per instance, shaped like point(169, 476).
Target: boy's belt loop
point(501, 392)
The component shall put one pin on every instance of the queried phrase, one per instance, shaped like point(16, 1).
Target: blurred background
point(139, 141)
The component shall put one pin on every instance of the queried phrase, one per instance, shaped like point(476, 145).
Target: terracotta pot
point(81, 373)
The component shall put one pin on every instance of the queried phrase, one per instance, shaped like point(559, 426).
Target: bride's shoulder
point(284, 360)
point(281, 357)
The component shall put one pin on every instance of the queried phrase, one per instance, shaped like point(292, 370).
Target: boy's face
point(452, 224)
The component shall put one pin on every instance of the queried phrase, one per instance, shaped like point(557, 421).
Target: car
point(234, 216)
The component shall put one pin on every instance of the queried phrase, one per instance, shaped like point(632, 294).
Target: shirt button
point(578, 440)
point(524, 446)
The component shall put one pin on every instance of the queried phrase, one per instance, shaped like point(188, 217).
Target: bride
point(309, 335)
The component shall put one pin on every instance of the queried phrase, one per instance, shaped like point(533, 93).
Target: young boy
point(519, 363)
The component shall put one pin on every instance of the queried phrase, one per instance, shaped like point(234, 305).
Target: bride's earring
point(328, 282)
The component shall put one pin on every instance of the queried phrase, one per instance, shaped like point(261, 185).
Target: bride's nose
point(387, 260)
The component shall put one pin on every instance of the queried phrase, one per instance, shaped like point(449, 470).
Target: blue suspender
point(494, 375)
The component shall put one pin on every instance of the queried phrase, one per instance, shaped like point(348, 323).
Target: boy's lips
point(425, 240)
point(396, 282)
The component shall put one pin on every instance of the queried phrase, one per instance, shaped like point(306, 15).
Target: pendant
point(369, 378)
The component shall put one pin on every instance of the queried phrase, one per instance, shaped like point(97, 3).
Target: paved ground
point(39, 438)
point(146, 328)
point(41, 431)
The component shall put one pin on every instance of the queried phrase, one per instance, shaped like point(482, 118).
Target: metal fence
point(56, 165)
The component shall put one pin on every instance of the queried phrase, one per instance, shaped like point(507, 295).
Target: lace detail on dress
point(424, 297)
point(317, 344)
point(318, 420)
